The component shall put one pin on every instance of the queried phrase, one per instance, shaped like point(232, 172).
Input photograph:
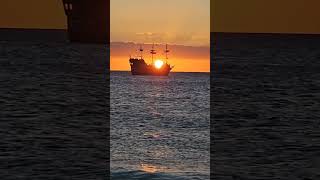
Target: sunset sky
point(268, 16)
point(179, 23)
point(184, 22)
point(287, 16)
point(184, 58)
point(42, 14)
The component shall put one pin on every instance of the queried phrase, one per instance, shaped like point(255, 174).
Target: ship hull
point(140, 67)
point(150, 72)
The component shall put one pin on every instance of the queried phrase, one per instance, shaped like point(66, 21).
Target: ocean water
point(53, 115)
point(160, 126)
point(264, 113)
point(265, 103)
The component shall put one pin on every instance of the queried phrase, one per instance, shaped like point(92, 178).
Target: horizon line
point(170, 72)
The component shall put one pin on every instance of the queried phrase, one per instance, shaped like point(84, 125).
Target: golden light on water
point(158, 64)
point(148, 168)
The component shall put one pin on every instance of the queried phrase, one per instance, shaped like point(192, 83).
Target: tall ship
point(156, 68)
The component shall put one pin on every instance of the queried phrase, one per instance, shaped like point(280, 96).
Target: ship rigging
point(157, 68)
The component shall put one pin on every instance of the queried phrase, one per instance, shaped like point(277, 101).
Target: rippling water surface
point(160, 126)
point(265, 107)
point(53, 114)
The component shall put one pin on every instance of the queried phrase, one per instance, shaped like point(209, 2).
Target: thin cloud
point(173, 38)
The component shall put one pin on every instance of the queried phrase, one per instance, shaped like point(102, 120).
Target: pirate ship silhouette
point(156, 68)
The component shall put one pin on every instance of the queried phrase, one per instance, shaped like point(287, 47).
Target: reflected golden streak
point(153, 168)
point(148, 168)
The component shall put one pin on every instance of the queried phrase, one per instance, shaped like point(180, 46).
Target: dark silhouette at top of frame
point(88, 20)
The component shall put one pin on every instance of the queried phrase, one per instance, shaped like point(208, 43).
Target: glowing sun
point(158, 64)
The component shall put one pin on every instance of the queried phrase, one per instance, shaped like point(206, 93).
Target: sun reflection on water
point(148, 168)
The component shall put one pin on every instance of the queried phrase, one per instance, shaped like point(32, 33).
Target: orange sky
point(184, 22)
point(177, 22)
point(184, 58)
point(270, 16)
point(227, 15)
point(42, 14)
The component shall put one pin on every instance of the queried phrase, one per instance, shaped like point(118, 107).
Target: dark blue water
point(160, 126)
point(265, 107)
point(53, 113)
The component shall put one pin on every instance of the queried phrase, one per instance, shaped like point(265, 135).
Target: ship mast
point(141, 50)
point(166, 51)
point(152, 51)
